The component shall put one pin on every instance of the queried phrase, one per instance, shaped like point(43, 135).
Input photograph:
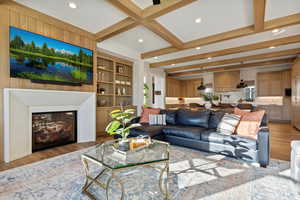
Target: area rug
point(194, 175)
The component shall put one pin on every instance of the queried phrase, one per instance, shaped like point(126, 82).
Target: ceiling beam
point(289, 52)
point(245, 31)
point(161, 31)
point(236, 67)
point(259, 7)
point(234, 50)
point(115, 29)
point(165, 7)
point(128, 7)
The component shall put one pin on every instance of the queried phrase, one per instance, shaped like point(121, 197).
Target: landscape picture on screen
point(36, 57)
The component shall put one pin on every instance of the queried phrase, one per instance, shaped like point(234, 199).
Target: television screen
point(39, 58)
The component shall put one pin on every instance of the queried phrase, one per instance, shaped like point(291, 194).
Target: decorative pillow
point(157, 119)
point(228, 124)
point(249, 124)
point(170, 116)
point(240, 112)
point(146, 112)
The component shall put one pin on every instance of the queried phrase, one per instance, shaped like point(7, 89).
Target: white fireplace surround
point(19, 104)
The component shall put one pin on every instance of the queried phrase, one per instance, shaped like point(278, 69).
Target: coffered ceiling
point(231, 29)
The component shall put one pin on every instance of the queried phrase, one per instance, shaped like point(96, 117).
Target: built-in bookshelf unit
point(114, 81)
point(114, 87)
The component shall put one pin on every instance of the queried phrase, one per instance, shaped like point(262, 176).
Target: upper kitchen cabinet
point(273, 83)
point(226, 81)
point(173, 87)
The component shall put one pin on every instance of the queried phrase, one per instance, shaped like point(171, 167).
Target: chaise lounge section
point(198, 130)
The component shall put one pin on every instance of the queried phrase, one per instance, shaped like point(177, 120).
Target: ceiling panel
point(143, 3)
point(249, 53)
point(217, 17)
point(281, 8)
point(260, 37)
point(92, 15)
point(130, 38)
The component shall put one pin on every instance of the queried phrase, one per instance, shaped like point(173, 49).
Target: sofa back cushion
point(215, 118)
point(170, 116)
point(193, 118)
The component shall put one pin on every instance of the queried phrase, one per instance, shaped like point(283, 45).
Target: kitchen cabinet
point(269, 84)
point(226, 81)
point(173, 87)
point(276, 113)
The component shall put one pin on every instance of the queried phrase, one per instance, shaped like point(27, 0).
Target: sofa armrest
point(263, 146)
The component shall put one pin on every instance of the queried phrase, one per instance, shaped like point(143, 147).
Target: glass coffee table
point(110, 162)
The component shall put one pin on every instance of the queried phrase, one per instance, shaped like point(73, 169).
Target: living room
point(149, 99)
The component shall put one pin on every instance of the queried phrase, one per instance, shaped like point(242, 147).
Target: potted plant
point(120, 126)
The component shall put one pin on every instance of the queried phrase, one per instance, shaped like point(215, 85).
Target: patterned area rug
point(194, 175)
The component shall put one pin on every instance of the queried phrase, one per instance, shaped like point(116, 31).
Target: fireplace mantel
point(19, 104)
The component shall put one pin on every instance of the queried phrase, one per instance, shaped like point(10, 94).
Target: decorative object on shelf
point(117, 81)
point(102, 90)
point(201, 87)
point(120, 69)
point(119, 91)
point(242, 84)
point(128, 83)
point(101, 102)
point(119, 126)
point(124, 91)
point(122, 82)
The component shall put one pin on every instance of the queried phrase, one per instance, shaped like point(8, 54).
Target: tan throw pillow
point(228, 124)
point(146, 112)
point(249, 124)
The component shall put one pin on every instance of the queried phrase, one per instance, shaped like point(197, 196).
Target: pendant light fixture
point(242, 84)
point(201, 87)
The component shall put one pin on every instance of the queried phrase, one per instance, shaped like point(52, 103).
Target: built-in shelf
point(106, 82)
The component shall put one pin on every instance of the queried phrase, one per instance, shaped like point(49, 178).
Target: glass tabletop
point(108, 155)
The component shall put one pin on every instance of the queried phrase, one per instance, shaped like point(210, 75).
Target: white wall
point(160, 85)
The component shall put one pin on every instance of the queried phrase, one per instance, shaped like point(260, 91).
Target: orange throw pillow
point(146, 112)
point(249, 124)
point(240, 112)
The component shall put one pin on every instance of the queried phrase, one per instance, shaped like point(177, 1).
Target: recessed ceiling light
point(72, 5)
point(278, 31)
point(155, 57)
point(198, 20)
point(141, 40)
point(173, 64)
point(198, 48)
point(272, 47)
point(209, 58)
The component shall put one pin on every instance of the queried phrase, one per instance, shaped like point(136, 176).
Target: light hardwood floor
point(281, 136)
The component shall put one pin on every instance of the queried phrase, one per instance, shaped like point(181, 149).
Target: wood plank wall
point(296, 94)
point(25, 18)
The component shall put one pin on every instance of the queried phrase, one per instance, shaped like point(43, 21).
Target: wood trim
point(128, 7)
point(235, 67)
point(161, 31)
point(165, 7)
point(122, 26)
point(234, 50)
point(236, 60)
point(259, 7)
point(249, 30)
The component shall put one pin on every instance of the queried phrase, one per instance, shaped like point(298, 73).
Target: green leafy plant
point(120, 125)
point(209, 97)
point(146, 95)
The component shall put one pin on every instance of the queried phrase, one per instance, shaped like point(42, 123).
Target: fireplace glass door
point(53, 129)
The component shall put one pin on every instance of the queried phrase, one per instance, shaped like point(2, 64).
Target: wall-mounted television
point(46, 60)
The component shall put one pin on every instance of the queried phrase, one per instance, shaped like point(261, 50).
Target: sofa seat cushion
point(146, 129)
point(211, 135)
point(184, 131)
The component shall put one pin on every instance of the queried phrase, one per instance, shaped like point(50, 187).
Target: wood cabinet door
point(275, 113)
